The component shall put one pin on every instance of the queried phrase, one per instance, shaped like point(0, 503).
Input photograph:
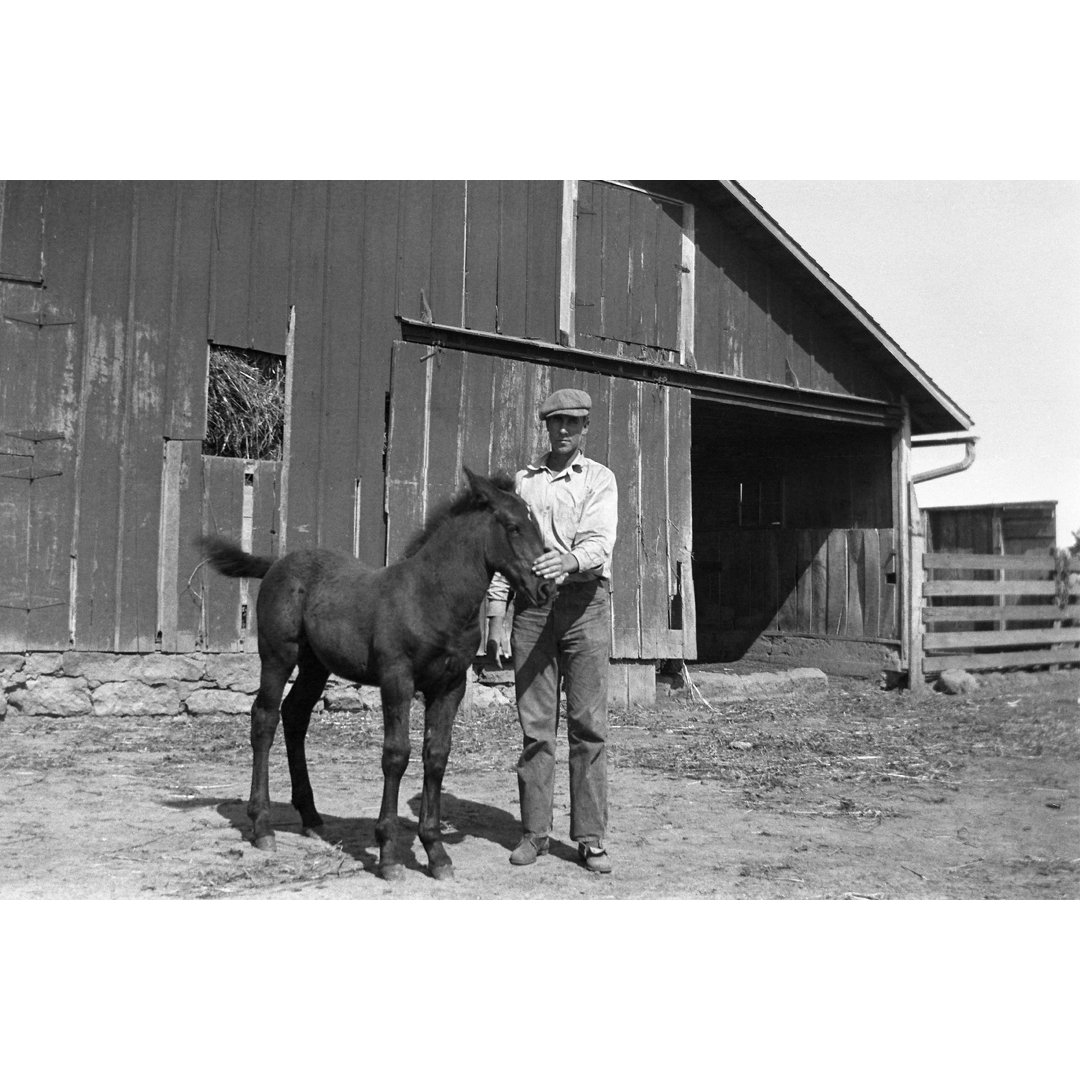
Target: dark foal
point(413, 626)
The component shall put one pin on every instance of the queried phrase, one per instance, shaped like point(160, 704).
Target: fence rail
point(1022, 611)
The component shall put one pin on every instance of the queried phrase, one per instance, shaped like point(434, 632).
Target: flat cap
point(566, 402)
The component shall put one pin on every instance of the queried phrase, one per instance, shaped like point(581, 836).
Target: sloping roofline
point(932, 410)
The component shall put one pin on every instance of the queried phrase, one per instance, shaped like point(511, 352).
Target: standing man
point(575, 503)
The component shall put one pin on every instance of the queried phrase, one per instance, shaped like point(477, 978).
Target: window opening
point(245, 404)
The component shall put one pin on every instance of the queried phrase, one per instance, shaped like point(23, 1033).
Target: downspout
point(969, 442)
point(913, 630)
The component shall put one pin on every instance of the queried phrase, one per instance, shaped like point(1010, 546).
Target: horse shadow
point(355, 836)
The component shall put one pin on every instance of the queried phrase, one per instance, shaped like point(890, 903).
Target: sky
point(978, 281)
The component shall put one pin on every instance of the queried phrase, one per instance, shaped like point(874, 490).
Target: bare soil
point(861, 793)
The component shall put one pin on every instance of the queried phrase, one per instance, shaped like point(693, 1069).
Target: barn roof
point(932, 410)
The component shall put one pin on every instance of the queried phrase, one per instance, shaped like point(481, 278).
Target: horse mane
point(463, 502)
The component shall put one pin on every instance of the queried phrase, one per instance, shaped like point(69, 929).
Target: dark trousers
point(568, 638)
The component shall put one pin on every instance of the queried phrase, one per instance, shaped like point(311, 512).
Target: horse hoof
point(317, 833)
point(392, 872)
point(443, 871)
point(266, 843)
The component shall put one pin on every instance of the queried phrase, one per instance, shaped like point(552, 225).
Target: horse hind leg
point(265, 713)
point(295, 716)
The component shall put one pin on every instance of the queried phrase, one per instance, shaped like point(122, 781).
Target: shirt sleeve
point(498, 595)
point(598, 524)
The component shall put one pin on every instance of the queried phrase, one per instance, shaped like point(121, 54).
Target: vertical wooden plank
point(42, 383)
point(151, 306)
point(588, 260)
point(97, 536)
point(444, 475)
point(189, 323)
point(624, 455)
point(567, 262)
point(757, 320)
point(447, 275)
point(414, 250)
point(407, 450)
point(856, 584)
point(819, 581)
point(168, 560)
point(657, 587)
point(477, 403)
point(788, 578)
point(614, 266)
point(377, 332)
point(264, 535)
point(22, 230)
point(836, 600)
point(482, 255)
point(733, 357)
point(804, 621)
point(268, 293)
point(779, 329)
point(308, 292)
point(512, 415)
point(681, 515)
point(708, 299)
point(223, 488)
point(873, 583)
point(341, 361)
point(770, 545)
point(888, 624)
point(232, 267)
point(542, 272)
point(643, 277)
point(513, 257)
point(190, 580)
point(675, 280)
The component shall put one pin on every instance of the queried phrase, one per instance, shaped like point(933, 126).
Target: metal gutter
point(968, 441)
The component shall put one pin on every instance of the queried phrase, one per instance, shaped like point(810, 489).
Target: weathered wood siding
point(111, 294)
point(105, 370)
point(753, 322)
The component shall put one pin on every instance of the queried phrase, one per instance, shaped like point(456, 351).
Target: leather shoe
point(595, 859)
point(529, 847)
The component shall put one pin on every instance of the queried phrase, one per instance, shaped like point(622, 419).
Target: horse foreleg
point(396, 699)
point(295, 716)
point(438, 725)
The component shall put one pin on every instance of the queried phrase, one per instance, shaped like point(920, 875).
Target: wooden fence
point(995, 611)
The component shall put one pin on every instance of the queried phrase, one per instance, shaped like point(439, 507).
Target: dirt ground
point(860, 793)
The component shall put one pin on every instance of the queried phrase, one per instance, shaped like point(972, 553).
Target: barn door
point(451, 409)
point(40, 358)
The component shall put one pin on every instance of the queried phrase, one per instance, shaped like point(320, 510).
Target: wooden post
point(910, 544)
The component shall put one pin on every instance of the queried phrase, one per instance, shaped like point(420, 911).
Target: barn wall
point(103, 380)
point(753, 322)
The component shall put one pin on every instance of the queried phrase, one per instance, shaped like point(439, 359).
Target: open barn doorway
point(794, 545)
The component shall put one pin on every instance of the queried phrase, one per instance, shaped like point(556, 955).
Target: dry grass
point(245, 404)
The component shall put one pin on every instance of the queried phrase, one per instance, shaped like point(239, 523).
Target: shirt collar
point(539, 464)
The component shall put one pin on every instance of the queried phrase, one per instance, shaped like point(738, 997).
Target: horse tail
point(231, 560)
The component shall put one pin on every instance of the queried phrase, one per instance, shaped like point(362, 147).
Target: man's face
point(566, 432)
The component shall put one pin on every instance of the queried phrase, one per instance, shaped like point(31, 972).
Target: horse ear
point(481, 487)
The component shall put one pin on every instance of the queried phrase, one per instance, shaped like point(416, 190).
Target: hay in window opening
point(245, 404)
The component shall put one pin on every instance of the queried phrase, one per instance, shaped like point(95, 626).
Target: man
point(575, 503)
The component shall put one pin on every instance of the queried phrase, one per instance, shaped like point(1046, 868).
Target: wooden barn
point(759, 422)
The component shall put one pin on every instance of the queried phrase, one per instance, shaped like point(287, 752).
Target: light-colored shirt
point(576, 510)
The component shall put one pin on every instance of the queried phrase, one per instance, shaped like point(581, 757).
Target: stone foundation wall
point(159, 684)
